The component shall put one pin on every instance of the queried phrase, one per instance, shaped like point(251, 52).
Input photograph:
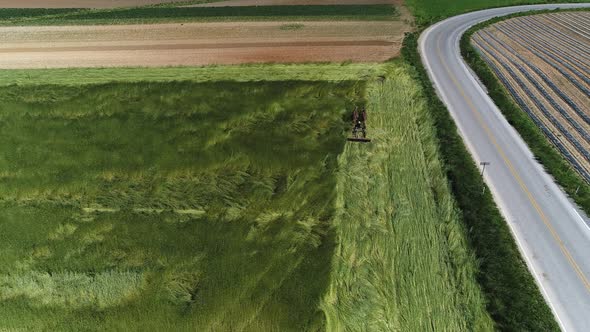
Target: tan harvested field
point(544, 62)
point(198, 44)
point(134, 3)
point(78, 3)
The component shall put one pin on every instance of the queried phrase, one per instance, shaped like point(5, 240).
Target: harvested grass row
point(402, 262)
point(328, 72)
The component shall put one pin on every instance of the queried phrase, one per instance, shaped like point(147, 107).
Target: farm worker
point(355, 115)
point(364, 115)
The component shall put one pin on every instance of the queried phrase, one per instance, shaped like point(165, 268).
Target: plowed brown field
point(198, 44)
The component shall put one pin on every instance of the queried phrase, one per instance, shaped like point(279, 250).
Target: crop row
point(542, 35)
point(582, 20)
point(557, 23)
point(548, 82)
point(549, 34)
point(536, 101)
point(566, 23)
point(540, 89)
point(533, 79)
point(552, 25)
point(550, 59)
point(574, 54)
point(563, 57)
point(547, 131)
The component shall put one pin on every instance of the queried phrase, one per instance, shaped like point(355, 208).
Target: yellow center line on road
point(515, 174)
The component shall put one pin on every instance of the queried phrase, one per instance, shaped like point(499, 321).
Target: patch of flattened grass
point(403, 262)
point(218, 195)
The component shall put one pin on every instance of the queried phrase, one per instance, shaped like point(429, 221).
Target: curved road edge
point(552, 236)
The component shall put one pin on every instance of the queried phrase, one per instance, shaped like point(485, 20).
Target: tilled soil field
point(198, 44)
point(544, 62)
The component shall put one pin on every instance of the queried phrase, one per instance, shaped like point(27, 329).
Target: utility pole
point(483, 169)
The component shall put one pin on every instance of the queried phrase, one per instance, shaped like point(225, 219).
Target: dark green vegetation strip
point(168, 206)
point(187, 14)
point(7, 14)
point(573, 184)
point(514, 300)
point(431, 11)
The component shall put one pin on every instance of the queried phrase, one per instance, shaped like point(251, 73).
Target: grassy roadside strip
point(402, 262)
point(428, 12)
point(142, 15)
point(514, 300)
point(244, 73)
point(544, 151)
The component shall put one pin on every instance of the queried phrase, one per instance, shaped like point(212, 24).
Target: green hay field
point(168, 206)
point(329, 72)
point(229, 206)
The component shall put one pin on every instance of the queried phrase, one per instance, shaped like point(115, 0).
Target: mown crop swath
point(402, 262)
point(551, 86)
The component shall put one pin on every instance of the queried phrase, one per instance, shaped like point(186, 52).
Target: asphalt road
point(553, 237)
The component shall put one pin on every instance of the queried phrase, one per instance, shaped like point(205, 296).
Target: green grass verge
point(402, 262)
point(169, 206)
point(514, 300)
point(429, 11)
point(10, 17)
point(573, 184)
point(243, 73)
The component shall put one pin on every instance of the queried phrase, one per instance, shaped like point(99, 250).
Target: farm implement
point(359, 127)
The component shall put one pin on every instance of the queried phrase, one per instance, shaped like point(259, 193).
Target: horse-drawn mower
point(359, 126)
